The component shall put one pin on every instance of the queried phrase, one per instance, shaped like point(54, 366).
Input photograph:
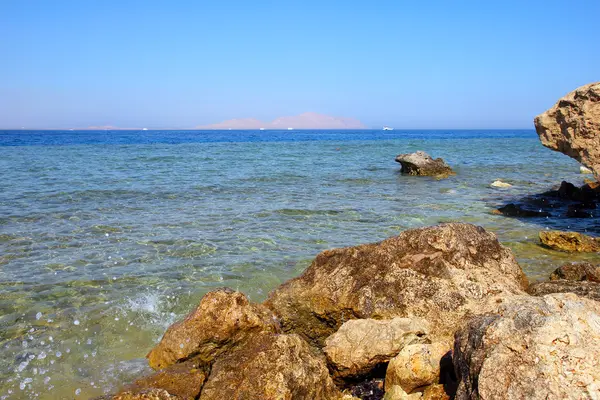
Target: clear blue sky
point(409, 64)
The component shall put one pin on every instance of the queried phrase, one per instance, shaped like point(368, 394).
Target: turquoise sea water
point(108, 237)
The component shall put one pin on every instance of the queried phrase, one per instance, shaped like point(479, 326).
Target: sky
point(179, 64)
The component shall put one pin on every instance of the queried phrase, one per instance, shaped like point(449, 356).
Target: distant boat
point(262, 129)
point(387, 128)
point(144, 129)
point(290, 129)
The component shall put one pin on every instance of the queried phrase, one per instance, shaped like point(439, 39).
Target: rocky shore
point(442, 312)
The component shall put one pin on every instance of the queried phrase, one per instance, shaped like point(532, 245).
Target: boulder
point(222, 321)
point(442, 273)
point(585, 170)
point(569, 241)
point(421, 163)
point(591, 290)
point(416, 365)
point(183, 380)
point(397, 393)
point(583, 271)
point(270, 366)
point(362, 344)
point(533, 348)
point(436, 392)
point(572, 126)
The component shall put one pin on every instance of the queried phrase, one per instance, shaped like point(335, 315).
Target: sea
point(108, 237)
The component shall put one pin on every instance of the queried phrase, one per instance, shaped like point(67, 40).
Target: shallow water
point(108, 237)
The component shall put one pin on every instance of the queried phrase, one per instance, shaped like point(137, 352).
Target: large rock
point(421, 163)
point(270, 366)
point(442, 274)
point(583, 271)
point(572, 126)
point(533, 348)
point(591, 290)
point(415, 366)
point(569, 241)
point(362, 344)
point(222, 321)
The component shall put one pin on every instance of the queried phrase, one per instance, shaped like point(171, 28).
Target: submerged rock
point(569, 241)
point(500, 184)
point(416, 365)
point(591, 290)
point(572, 126)
point(442, 274)
point(362, 344)
point(583, 271)
point(421, 163)
point(270, 366)
point(533, 348)
point(513, 210)
point(222, 321)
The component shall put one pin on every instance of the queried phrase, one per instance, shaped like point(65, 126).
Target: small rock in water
point(500, 184)
point(77, 392)
point(76, 322)
point(38, 315)
point(585, 170)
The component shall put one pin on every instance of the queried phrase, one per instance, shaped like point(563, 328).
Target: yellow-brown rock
point(415, 366)
point(569, 241)
point(222, 321)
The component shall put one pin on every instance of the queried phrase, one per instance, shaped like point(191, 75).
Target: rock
point(569, 241)
point(581, 210)
point(223, 320)
point(421, 163)
point(436, 392)
point(441, 273)
point(591, 290)
point(416, 365)
point(513, 210)
point(183, 380)
point(500, 184)
point(397, 393)
point(362, 344)
point(583, 271)
point(533, 348)
point(151, 394)
point(585, 170)
point(572, 126)
point(270, 366)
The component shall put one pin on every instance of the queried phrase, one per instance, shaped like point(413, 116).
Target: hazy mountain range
point(308, 120)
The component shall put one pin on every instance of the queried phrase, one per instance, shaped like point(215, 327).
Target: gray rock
point(533, 348)
point(591, 290)
point(421, 163)
point(583, 271)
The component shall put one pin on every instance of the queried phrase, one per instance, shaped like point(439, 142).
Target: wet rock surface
point(569, 241)
point(422, 164)
point(533, 348)
point(271, 366)
point(583, 271)
point(362, 344)
point(222, 321)
point(572, 126)
point(442, 274)
point(514, 210)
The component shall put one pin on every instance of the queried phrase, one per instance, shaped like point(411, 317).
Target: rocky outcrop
point(421, 163)
point(514, 210)
point(221, 322)
point(583, 271)
point(591, 290)
point(362, 344)
point(533, 348)
point(569, 241)
point(270, 366)
point(443, 274)
point(572, 126)
point(415, 366)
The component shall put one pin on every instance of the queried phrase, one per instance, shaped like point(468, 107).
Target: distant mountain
point(308, 120)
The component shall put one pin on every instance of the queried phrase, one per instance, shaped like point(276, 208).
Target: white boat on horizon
point(262, 129)
point(290, 129)
point(387, 128)
point(144, 129)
